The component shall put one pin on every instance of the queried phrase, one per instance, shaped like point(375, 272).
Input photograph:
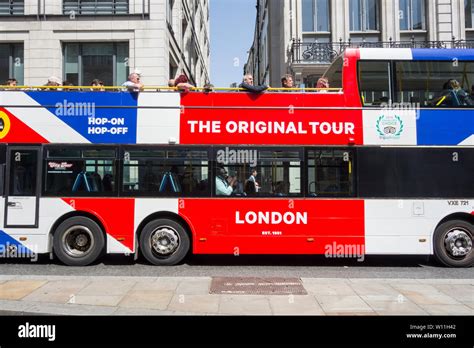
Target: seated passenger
point(133, 83)
point(182, 83)
point(247, 85)
point(323, 84)
point(287, 82)
point(224, 184)
point(453, 95)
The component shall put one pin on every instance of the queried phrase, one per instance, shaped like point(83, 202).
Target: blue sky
point(232, 29)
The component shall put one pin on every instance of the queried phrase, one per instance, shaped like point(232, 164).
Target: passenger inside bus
point(452, 95)
point(224, 184)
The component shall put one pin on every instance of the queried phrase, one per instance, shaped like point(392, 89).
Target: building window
point(316, 15)
point(95, 7)
point(412, 14)
point(106, 61)
point(169, 13)
point(12, 7)
point(469, 13)
point(364, 15)
point(11, 62)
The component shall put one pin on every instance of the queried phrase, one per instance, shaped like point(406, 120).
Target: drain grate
point(257, 286)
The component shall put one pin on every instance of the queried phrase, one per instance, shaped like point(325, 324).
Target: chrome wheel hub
point(165, 240)
point(458, 242)
point(78, 241)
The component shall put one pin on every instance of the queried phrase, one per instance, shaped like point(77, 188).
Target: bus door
point(22, 186)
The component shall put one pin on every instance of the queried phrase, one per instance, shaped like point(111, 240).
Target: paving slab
point(97, 300)
point(244, 305)
point(295, 305)
point(329, 288)
point(343, 304)
point(373, 288)
point(461, 292)
point(147, 299)
point(194, 303)
point(69, 309)
point(448, 309)
point(385, 305)
point(142, 311)
point(56, 291)
point(160, 284)
point(17, 289)
point(108, 287)
point(193, 286)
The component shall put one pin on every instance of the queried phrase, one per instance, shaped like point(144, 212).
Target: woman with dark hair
point(182, 83)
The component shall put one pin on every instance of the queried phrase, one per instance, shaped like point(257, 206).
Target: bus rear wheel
point(164, 242)
point(453, 243)
point(78, 241)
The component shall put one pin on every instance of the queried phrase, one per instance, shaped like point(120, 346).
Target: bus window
point(82, 173)
point(166, 172)
point(374, 82)
point(426, 83)
point(330, 173)
point(263, 173)
point(334, 73)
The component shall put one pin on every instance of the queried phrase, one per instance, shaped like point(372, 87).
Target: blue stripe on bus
point(7, 241)
point(95, 122)
point(444, 127)
point(443, 54)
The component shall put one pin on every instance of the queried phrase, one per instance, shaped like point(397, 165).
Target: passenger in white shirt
point(133, 84)
point(224, 187)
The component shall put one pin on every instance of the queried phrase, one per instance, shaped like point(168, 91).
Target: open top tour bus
point(380, 163)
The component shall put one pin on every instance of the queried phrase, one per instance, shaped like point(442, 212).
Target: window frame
point(302, 158)
point(353, 155)
point(410, 17)
point(80, 74)
point(139, 194)
point(12, 4)
point(394, 78)
point(78, 10)
point(12, 48)
point(314, 20)
point(363, 17)
point(80, 147)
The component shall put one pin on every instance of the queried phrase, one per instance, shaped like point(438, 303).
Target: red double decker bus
point(381, 163)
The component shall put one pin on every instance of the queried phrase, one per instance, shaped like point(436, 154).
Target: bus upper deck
point(376, 97)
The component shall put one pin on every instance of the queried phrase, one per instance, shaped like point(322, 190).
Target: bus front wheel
point(164, 242)
point(453, 243)
point(78, 241)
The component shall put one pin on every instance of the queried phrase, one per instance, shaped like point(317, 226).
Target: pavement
point(114, 295)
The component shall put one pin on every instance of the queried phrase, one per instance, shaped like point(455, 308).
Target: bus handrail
point(158, 89)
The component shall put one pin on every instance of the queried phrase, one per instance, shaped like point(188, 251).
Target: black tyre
point(164, 242)
point(78, 241)
point(453, 243)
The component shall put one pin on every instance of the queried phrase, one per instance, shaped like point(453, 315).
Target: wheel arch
point(79, 213)
point(456, 216)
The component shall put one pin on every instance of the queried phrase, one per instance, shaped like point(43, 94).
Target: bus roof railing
point(158, 89)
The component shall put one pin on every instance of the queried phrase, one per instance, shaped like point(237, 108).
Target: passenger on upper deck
point(98, 84)
point(323, 83)
point(453, 95)
point(287, 81)
point(182, 83)
point(11, 82)
point(54, 81)
point(133, 83)
point(247, 85)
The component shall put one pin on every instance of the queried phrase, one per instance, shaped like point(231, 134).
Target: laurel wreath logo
point(400, 130)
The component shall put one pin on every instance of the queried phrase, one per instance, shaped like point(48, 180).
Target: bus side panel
point(406, 227)
point(258, 226)
point(39, 239)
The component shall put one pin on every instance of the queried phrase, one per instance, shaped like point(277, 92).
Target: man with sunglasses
point(133, 84)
